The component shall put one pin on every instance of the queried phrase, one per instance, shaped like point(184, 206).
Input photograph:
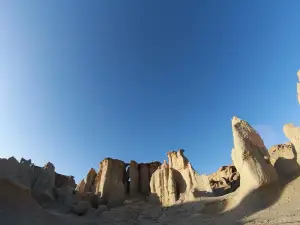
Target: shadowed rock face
point(134, 175)
point(225, 180)
point(250, 157)
point(284, 159)
point(62, 180)
point(90, 178)
point(163, 185)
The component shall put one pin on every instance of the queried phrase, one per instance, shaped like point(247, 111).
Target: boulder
point(81, 208)
point(225, 180)
point(134, 175)
point(163, 186)
point(101, 209)
point(251, 158)
point(284, 158)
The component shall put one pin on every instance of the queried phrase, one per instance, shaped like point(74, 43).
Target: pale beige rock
point(90, 178)
point(251, 158)
point(80, 187)
point(293, 134)
point(111, 181)
point(153, 166)
point(189, 183)
point(134, 176)
point(284, 158)
point(163, 186)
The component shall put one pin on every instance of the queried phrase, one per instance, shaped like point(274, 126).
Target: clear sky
point(85, 80)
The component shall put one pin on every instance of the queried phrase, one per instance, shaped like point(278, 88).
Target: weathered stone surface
point(134, 175)
point(111, 182)
point(250, 157)
point(153, 166)
point(62, 180)
point(188, 181)
point(90, 178)
point(293, 134)
point(225, 180)
point(67, 195)
point(16, 173)
point(144, 179)
point(163, 186)
point(45, 182)
point(81, 208)
point(80, 186)
point(284, 158)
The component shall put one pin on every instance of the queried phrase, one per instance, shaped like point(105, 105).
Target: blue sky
point(81, 81)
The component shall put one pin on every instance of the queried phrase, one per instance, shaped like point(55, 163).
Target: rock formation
point(144, 179)
point(251, 158)
point(225, 180)
point(62, 180)
point(90, 178)
point(163, 185)
point(293, 134)
point(111, 180)
point(284, 159)
point(134, 175)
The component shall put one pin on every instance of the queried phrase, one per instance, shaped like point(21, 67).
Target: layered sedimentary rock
point(81, 186)
point(251, 158)
point(284, 159)
point(163, 185)
point(225, 180)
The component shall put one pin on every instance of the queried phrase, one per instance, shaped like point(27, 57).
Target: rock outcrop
point(163, 185)
point(144, 179)
point(134, 176)
point(225, 180)
point(90, 178)
point(284, 159)
point(251, 158)
point(293, 134)
point(62, 180)
point(111, 181)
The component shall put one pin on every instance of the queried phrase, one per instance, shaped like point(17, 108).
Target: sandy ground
point(272, 205)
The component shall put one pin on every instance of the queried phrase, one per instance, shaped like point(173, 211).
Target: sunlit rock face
point(250, 157)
